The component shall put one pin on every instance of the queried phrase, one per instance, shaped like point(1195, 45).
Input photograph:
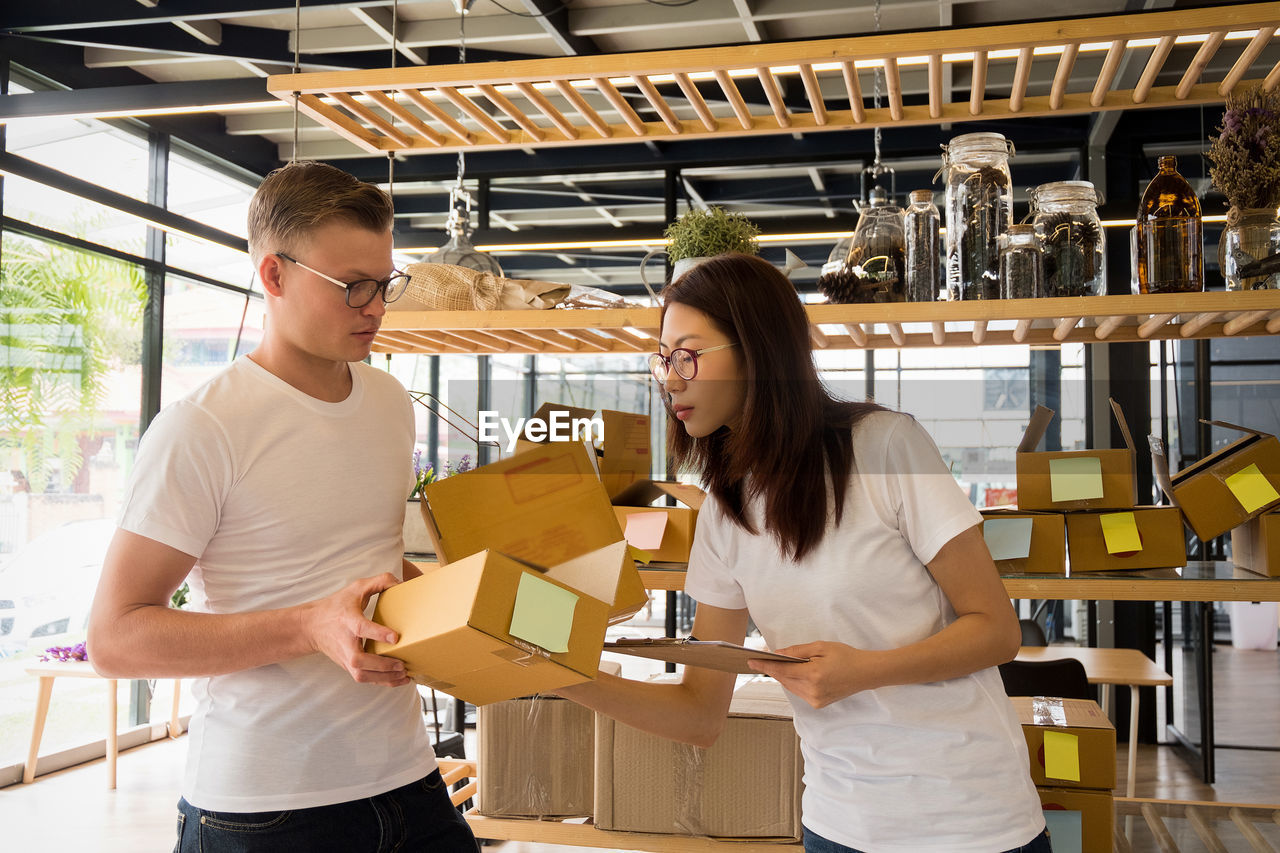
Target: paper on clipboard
point(709, 654)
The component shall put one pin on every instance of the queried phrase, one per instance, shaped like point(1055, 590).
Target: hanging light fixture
point(459, 251)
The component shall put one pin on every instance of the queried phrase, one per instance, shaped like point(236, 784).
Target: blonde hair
point(295, 199)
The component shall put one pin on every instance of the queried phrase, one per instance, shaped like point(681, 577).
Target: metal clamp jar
point(1075, 246)
point(979, 209)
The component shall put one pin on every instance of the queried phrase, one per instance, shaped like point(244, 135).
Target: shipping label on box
point(489, 627)
point(1025, 542)
point(1141, 538)
point(1074, 479)
point(1227, 487)
point(1071, 742)
point(545, 505)
point(1255, 545)
point(748, 785)
point(1079, 821)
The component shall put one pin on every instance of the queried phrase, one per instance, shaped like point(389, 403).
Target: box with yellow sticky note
point(663, 533)
point(1148, 537)
point(1067, 480)
point(1255, 545)
point(490, 627)
point(545, 505)
point(1025, 542)
point(1071, 742)
point(1227, 487)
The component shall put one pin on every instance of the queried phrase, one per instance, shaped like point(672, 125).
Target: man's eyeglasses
point(361, 293)
point(683, 362)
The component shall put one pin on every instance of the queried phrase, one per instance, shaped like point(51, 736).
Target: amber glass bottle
point(1169, 234)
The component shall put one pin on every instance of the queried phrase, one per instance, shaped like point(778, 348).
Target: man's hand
point(337, 627)
point(833, 671)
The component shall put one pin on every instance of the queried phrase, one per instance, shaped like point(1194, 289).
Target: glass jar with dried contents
point(872, 270)
point(922, 227)
point(1065, 214)
point(979, 210)
point(1021, 263)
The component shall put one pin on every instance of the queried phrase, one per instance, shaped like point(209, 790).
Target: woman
point(880, 578)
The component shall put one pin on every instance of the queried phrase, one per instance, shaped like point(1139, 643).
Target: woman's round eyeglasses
point(361, 293)
point(683, 362)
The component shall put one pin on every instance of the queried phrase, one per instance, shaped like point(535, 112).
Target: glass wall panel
point(205, 328)
point(69, 214)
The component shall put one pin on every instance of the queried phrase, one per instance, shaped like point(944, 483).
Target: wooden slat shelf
point(582, 100)
point(1089, 319)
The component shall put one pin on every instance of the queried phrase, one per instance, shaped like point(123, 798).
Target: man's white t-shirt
point(917, 767)
point(285, 499)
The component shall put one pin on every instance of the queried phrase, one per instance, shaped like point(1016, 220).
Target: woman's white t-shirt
point(916, 767)
point(284, 499)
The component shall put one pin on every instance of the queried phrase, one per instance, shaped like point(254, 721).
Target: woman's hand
point(834, 671)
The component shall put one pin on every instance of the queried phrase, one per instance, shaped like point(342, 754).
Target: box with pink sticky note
point(663, 533)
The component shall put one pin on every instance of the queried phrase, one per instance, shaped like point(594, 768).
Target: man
point(277, 490)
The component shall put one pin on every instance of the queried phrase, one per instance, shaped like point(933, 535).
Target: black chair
point(1032, 633)
point(1063, 678)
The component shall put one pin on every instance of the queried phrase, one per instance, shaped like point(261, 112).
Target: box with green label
point(1071, 742)
point(1226, 488)
point(1145, 537)
point(1065, 480)
point(490, 627)
point(1025, 542)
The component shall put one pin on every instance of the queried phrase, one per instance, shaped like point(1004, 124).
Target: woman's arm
point(985, 633)
point(692, 711)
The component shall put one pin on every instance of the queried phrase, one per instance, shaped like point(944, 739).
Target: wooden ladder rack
point(694, 92)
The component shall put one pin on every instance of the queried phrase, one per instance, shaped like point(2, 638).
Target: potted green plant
point(699, 234)
point(1246, 167)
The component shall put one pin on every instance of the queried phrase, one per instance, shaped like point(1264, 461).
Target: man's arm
point(133, 633)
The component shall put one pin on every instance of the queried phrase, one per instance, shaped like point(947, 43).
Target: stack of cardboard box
point(1236, 488)
point(1072, 747)
point(1081, 504)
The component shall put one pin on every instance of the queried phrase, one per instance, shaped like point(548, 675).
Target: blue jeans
point(817, 844)
point(417, 817)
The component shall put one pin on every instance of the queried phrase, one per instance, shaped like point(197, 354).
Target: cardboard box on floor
point(545, 505)
point(1227, 487)
point(1025, 542)
point(489, 627)
point(536, 757)
point(1071, 742)
point(664, 533)
point(1079, 821)
point(1145, 537)
point(645, 783)
point(1255, 545)
point(1062, 480)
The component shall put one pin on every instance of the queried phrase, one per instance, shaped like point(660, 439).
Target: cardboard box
point(1025, 542)
point(1227, 487)
point(1141, 538)
point(1074, 479)
point(747, 785)
point(1079, 821)
point(667, 540)
point(1255, 545)
point(536, 757)
point(545, 506)
point(544, 414)
point(489, 627)
point(1071, 742)
point(626, 455)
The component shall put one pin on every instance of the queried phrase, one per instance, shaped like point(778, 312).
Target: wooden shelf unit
point(1089, 319)
point(583, 100)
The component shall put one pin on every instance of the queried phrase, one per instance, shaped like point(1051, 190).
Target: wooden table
point(1106, 667)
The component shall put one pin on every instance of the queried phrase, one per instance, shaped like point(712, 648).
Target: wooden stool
point(47, 672)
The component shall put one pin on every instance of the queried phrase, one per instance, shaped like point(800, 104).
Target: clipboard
point(709, 654)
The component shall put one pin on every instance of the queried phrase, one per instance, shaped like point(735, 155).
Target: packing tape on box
point(690, 782)
point(1048, 711)
point(525, 654)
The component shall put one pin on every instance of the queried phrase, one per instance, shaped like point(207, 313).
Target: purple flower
point(65, 653)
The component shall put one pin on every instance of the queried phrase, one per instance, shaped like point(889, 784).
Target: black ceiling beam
point(143, 96)
point(553, 17)
point(62, 15)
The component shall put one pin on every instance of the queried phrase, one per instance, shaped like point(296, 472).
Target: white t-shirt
point(285, 499)
point(917, 767)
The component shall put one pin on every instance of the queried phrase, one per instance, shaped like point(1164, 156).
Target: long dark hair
point(793, 435)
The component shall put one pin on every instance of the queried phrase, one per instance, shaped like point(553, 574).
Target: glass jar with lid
point(872, 270)
point(979, 210)
point(1021, 263)
point(1065, 214)
point(922, 227)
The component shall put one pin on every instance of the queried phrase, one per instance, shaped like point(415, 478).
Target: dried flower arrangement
point(1246, 151)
